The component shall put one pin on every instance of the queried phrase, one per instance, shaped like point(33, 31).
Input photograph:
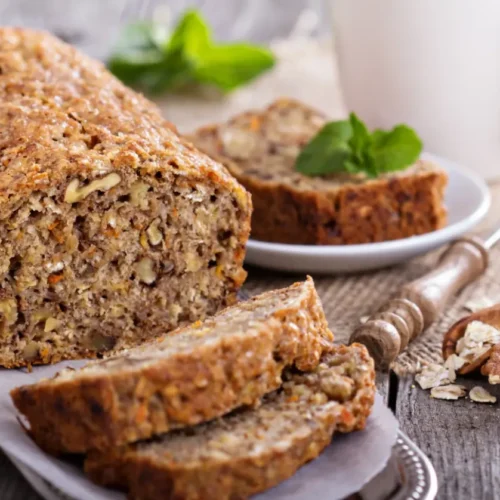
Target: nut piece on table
point(435, 375)
point(473, 337)
point(492, 368)
point(481, 395)
point(450, 392)
point(455, 362)
point(73, 194)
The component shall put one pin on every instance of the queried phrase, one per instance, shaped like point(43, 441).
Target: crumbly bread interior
point(239, 321)
point(248, 450)
point(191, 375)
point(113, 270)
point(297, 406)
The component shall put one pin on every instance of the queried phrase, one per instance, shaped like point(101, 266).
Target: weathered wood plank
point(461, 438)
point(383, 385)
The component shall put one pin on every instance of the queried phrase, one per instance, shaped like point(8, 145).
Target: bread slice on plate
point(260, 148)
point(190, 376)
point(249, 450)
point(113, 229)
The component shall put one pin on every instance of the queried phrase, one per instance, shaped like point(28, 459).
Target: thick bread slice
point(252, 449)
point(260, 147)
point(193, 375)
point(113, 229)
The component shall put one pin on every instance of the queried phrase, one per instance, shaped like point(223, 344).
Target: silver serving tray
point(408, 475)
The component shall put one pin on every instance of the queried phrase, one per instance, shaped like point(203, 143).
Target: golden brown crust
point(153, 471)
point(70, 251)
point(115, 406)
point(63, 114)
point(259, 149)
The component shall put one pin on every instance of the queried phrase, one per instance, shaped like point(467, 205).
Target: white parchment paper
point(345, 466)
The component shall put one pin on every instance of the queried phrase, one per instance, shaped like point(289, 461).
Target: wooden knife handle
point(420, 302)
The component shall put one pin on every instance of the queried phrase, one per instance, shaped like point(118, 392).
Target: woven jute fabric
point(348, 298)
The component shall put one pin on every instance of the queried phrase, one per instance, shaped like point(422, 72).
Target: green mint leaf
point(191, 36)
point(361, 138)
point(230, 66)
point(348, 146)
point(138, 53)
point(147, 57)
point(328, 151)
point(153, 74)
point(351, 167)
point(396, 149)
point(130, 69)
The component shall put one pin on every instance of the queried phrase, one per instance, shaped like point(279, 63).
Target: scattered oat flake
point(478, 303)
point(460, 345)
point(454, 362)
point(478, 332)
point(450, 392)
point(494, 379)
point(364, 319)
point(481, 395)
point(434, 375)
point(470, 354)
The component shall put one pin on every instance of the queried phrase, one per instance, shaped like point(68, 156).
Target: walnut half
point(73, 194)
point(145, 271)
point(155, 236)
point(8, 315)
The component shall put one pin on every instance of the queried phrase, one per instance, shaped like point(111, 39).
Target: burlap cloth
point(307, 71)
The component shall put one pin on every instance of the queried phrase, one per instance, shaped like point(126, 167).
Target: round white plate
point(467, 199)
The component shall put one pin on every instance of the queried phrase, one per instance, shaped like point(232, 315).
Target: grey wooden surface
point(461, 438)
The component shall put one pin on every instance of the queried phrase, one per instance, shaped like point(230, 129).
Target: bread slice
point(113, 230)
point(191, 376)
point(252, 449)
point(260, 148)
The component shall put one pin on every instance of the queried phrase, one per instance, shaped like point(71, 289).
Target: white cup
point(433, 64)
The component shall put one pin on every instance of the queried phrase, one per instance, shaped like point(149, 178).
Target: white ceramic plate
point(467, 199)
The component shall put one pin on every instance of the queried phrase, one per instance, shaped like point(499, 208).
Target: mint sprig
point(150, 58)
point(348, 146)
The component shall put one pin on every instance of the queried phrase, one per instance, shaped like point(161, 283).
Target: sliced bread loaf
point(260, 148)
point(251, 449)
point(192, 375)
point(113, 229)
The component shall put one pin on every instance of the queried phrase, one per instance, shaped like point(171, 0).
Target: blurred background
point(298, 32)
point(93, 25)
point(431, 64)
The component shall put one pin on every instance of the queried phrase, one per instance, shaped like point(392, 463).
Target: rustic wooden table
point(461, 440)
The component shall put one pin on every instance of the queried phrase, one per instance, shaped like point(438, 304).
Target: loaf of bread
point(192, 375)
point(113, 229)
point(249, 450)
point(260, 149)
